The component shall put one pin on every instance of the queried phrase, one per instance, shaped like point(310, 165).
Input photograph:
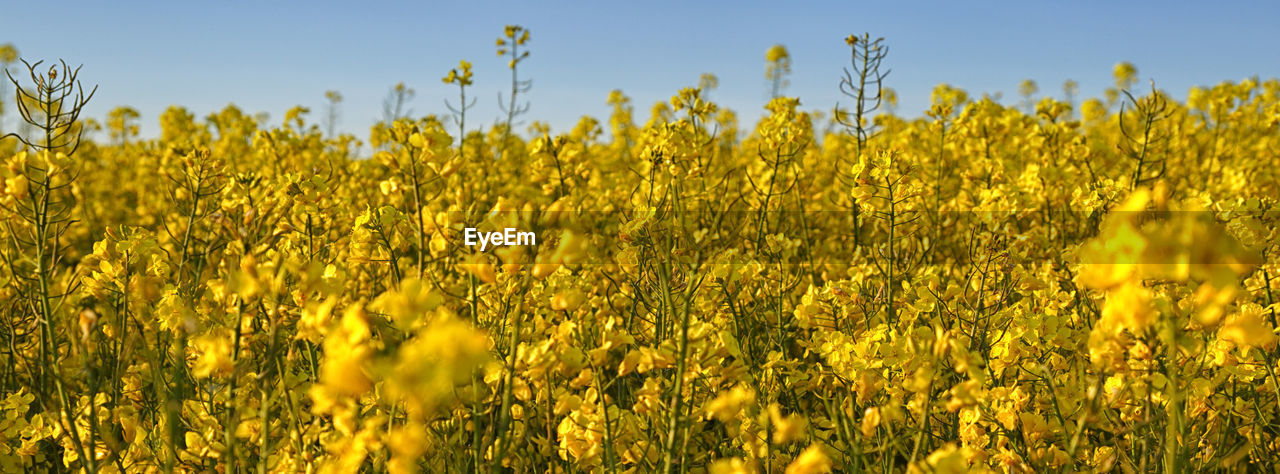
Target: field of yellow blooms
point(1049, 286)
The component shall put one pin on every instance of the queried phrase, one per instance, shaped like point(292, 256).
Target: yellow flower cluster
point(983, 288)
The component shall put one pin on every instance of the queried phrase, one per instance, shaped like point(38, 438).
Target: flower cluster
point(983, 288)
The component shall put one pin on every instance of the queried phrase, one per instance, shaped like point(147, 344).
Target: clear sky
point(270, 57)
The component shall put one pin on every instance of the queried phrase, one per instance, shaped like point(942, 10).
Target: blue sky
point(268, 58)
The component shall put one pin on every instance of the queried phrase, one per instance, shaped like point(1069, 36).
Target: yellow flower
point(441, 357)
point(16, 187)
point(776, 53)
point(213, 350)
point(407, 443)
point(477, 265)
point(461, 75)
point(1126, 74)
point(567, 300)
point(870, 421)
point(732, 466)
point(345, 370)
point(730, 404)
point(813, 460)
point(1247, 328)
point(786, 429)
point(948, 460)
point(1129, 307)
point(314, 322)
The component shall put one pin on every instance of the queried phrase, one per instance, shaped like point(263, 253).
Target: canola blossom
point(1044, 287)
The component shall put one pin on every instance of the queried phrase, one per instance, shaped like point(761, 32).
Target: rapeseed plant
point(1062, 286)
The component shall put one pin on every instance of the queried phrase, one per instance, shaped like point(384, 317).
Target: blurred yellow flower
point(810, 461)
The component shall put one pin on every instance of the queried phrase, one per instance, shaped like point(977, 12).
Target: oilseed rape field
point(1050, 286)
